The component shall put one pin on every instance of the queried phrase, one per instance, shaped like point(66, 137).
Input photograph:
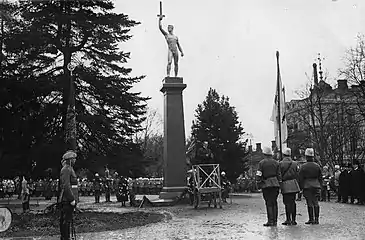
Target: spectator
point(345, 183)
point(337, 182)
point(356, 183)
point(326, 176)
point(25, 195)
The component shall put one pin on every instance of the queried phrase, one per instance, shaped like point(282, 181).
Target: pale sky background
point(230, 45)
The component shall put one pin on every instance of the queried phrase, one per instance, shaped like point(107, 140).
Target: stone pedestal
point(174, 139)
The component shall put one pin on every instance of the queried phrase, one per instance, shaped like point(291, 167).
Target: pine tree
point(218, 135)
point(47, 37)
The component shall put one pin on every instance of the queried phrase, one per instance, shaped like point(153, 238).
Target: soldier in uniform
point(97, 188)
point(48, 188)
point(268, 176)
point(226, 186)
point(310, 180)
point(116, 181)
point(289, 172)
point(67, 198)
point(123, 184)
point(18, 187)
point(25, 195)
point(55, 187)
point(107, 184)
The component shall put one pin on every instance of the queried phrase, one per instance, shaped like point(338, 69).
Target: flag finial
point(320, 66)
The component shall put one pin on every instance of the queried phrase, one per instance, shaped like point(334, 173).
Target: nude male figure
point(173, 46)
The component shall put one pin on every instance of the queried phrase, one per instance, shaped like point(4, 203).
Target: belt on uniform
point(74, 186)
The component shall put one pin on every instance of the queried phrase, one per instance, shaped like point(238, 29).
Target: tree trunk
point(1, 46)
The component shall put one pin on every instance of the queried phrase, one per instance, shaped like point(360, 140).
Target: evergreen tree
point(46, 37)
point(218, 134)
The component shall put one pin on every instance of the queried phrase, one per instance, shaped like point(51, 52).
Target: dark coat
point(345, 183)
point(97, 184)
point(357, 178)
point(310, 176)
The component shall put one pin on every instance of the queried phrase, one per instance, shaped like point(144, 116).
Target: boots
point(275, 214)
point(310, 214)
point(316, 215)
point(294, 214)
point(288, 215)
point(270, 216)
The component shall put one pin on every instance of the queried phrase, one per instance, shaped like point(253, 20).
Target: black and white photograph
point(182, 119)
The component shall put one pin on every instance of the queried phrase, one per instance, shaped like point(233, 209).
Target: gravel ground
point(242, 219)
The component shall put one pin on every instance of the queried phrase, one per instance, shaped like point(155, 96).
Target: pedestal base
point(171, 192)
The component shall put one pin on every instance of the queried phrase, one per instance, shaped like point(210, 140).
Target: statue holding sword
point(172, 43)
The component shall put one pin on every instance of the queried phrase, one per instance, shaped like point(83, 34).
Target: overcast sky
point(230, 45)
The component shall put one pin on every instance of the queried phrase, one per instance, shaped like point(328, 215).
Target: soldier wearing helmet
point(268, 176)
point(226, 186)
point(97, 188)
point(107, 184)
point(310, 180)
point(67, 196)
point(290, 187)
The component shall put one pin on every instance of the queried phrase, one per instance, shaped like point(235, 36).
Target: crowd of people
point(348, 182)
point(119, 186)
point(40, 187)
point(48, 188)
point(345, 184)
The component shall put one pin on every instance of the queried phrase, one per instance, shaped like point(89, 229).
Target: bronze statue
point(172, 43)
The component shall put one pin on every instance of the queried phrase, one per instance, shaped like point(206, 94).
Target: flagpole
point(278, 99)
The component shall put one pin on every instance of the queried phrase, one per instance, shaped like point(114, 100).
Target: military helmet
point(267, 151)
point(70, 154)
point(309, 152)
point(287, 151)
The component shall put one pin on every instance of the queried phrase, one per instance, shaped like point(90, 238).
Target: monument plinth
point(174, 138)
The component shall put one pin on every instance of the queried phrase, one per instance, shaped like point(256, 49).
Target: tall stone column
point(174, 138)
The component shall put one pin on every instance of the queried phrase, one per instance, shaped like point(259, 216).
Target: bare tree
point(322, 119)
point(151, 142)
point(354, 72)
point(151, 127)
point(354, 61)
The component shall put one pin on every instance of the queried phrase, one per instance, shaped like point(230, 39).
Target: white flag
point(275, 115)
